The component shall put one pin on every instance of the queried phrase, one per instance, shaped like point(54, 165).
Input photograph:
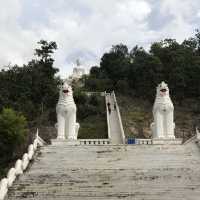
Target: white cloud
point(15, 41)
point(182, 23)
point(133, 10)
point(86, 29)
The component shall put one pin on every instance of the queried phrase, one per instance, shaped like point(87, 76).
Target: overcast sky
point(85, 29)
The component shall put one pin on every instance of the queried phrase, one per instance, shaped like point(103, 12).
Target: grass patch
point(93, 127)
point(92, 117)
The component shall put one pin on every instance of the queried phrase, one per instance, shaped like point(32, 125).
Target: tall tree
point(32, 88)
point(115, 63)
point(145, 72)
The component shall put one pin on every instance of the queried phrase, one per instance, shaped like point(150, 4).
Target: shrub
point(122, 86)
point(80, 97)
point(94, 100)
point(99, 85)
point(13, 131)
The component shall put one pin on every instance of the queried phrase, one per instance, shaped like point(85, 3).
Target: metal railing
point(107, 116)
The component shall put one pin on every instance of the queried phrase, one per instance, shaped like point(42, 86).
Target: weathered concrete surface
point(148, 172)
point(115, 131)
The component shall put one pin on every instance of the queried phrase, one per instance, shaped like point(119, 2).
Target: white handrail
point(40, 141)
point(197, 133)
point(194, 137)
point(3, 188)
point(107, 116)
point(20, 166)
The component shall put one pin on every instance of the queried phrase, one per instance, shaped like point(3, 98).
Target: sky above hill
point(85, 29)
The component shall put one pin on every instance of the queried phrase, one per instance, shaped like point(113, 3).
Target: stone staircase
point(114, 123)
point(111, 172)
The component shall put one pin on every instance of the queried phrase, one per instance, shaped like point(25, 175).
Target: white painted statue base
point(57, 142)
point(167, 141)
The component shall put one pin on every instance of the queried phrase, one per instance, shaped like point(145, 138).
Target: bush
point(80, 97)
point(94, 100)
point(13, 131)
point(86, 110)
point(123, 87)
point(99, 85)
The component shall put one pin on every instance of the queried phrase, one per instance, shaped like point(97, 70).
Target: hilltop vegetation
point(33, 88)
point(137, 72)
point(91, 114)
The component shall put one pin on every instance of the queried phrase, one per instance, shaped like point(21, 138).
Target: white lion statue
point(163, 114)
point(66, 114)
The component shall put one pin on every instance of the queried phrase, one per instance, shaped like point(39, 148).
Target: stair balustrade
point(20, 166)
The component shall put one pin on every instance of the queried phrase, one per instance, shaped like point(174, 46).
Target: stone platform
point(58, 142)
point(176, 141)
point(111, 172)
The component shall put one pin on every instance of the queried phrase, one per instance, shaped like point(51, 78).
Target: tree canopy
point(32, 89)
point(176, 63)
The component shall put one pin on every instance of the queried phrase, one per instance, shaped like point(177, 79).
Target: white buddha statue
point(66, 114)
point(163, 114)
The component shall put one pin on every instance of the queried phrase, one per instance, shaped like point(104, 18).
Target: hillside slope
point(137, 116)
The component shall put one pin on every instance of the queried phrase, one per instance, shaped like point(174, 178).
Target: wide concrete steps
point(112, 172)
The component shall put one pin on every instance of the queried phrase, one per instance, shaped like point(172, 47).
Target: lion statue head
point(162, 90)
point(65, 91)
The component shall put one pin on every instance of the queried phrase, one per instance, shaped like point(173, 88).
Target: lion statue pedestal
point(163, 114)
point(66, 114)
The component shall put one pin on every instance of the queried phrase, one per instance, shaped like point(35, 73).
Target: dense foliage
point(91, 114)
point(138, 71)
point(32, 89)
point(13, 132)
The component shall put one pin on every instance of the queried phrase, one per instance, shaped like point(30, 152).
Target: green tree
point(45, 50)
point(115, 63)
point(180, 66)
point(33, 88)
point(95, 72)
point(145, 73)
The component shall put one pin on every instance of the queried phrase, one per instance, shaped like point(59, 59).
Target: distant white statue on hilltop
point(163, 114)
point(66, 114)
point(78, 71)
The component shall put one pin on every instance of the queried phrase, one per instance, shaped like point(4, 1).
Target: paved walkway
point(112, 172)
point(115, 131)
